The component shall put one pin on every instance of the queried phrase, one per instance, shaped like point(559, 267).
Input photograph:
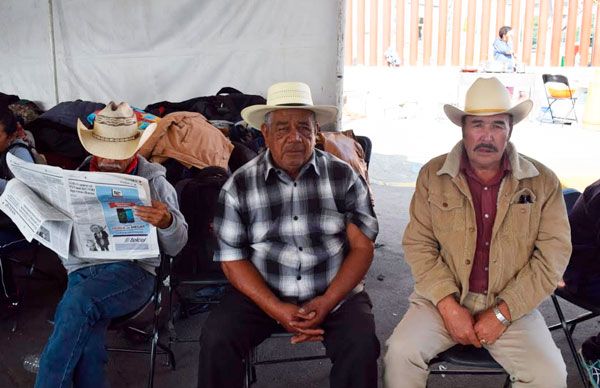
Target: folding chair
point(154, 306)
point(559, 93)
point(568, 326)
point(472, 360)
point(252, 361)
point(207, 279)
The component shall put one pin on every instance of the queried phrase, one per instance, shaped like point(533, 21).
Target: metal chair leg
point(152, 360)
point(565, 327)
point(169, 353)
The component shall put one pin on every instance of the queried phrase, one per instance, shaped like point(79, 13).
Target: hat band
point(293, 104)
point(115, 139)
point(116, 121)
point(488, 110)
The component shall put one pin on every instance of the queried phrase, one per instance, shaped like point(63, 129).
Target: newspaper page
point(98, 208)
point(35, 218)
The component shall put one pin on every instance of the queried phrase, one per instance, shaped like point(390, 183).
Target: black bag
point(198, 198)
point(227, 105)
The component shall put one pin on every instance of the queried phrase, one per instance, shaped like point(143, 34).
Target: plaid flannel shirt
point(294, 232)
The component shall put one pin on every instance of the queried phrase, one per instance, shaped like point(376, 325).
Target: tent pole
point(53, 50)
point(339, 95)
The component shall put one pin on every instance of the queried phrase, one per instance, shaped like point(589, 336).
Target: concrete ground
point(389, 283)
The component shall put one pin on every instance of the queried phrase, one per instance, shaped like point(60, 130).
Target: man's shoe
point(593, 370)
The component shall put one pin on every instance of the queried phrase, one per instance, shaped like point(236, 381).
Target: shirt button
point(444, 204)
point(295, 218)
point(485, 188)
point(486, 215)
point(485, 292)
point(467, 262)
point(298, 277)
point(471, 229)
point(300, 249)
point(487, 244)
point(486, 269)
point(295, 184)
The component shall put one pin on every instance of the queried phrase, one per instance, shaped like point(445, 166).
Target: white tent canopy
point(147, 51)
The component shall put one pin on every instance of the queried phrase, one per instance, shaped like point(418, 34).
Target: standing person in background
point(503, 48)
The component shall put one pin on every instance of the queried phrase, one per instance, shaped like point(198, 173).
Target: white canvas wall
point(144, 51)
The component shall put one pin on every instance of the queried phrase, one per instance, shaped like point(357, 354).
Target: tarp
point(144, 51)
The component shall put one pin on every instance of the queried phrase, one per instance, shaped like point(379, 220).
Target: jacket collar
point(521, 167)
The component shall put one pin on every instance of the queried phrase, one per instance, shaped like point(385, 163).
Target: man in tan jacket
point(488, 240)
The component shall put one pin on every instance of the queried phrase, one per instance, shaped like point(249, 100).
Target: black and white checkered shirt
point(294, 232)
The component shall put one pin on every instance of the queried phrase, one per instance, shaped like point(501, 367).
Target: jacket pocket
point(519, 215)
point(446, 212)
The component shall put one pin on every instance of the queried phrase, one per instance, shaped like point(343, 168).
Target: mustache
point(109, 166)
point(487, 146)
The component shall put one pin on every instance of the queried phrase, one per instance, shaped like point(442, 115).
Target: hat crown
point(487, 95)
point(116, 122)
point(289, 94)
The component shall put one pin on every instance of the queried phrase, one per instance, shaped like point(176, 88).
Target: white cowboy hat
point(115, 134)
point(487, 97)
point(288, 95)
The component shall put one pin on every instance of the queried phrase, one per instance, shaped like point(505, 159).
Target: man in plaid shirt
point(296, 231)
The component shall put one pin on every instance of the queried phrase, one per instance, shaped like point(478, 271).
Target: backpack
point(225, 105)
point(198, 197)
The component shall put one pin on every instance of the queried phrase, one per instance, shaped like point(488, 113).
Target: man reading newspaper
point(102, 289)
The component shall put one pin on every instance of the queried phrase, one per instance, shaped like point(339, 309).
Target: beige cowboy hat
point(115, 134)
point(288, 95)
point(487, 97)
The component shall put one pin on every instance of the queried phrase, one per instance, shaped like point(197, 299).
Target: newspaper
point(87, 214)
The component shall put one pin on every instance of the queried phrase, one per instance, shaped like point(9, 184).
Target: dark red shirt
point(485, 198)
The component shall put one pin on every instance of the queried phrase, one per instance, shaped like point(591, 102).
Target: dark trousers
point(237, 325)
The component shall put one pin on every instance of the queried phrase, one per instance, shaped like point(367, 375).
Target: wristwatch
point(501, 316)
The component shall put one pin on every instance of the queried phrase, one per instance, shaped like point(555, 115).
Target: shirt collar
point(271, 167)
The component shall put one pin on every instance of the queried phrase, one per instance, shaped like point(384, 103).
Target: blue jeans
point(75, 353)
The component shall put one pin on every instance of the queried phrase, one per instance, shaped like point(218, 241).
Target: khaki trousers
point(525, 350)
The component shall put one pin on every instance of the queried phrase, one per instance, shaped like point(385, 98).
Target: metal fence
point(461, 32)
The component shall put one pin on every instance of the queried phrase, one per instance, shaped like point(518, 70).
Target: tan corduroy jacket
point(531, 242)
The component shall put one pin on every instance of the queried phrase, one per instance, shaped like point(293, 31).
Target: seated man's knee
point(364, 346)
point(547, 372)
point(403, 348)
point(75, 304)
point(217, 334)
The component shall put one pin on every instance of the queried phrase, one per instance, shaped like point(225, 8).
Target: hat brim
point(255, 115)
point(112, 150)
point(518, 112)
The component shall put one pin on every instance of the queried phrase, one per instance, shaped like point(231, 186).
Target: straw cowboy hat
point(115, 134)
point(487, 97)
point(288, 95)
